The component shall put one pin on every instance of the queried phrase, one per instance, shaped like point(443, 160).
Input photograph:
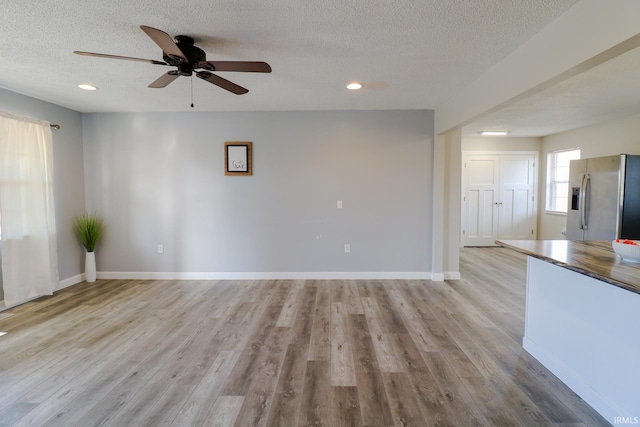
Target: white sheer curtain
point(29, 250)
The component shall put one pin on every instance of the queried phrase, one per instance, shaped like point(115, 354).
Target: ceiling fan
point(189, 59)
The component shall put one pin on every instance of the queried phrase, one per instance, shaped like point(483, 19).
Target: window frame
point(552, 182)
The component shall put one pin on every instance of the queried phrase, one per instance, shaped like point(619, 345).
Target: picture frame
point(237, 158)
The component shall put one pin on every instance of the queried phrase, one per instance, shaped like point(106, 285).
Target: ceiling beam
point(589, 34)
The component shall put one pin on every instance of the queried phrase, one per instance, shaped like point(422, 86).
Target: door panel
point(515, 171)
point(516, 204)
point(473, 201)
point(481, 182)
point(481, 218)
point(515, 215)
point(499, 200)
point(483, 172)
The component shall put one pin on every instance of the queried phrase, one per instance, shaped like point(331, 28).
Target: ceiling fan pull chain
point(191, 91)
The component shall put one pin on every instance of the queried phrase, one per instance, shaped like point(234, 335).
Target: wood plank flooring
point(284, 353)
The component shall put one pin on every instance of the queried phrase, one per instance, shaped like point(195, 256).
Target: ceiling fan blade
point(164, 79)
point(128, 58)
point(165, 42)
point(223, 83)
point(245, 66)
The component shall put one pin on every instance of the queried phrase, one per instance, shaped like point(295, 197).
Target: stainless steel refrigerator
point(604, 198)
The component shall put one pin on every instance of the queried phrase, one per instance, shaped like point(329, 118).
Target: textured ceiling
point(605, 92)
point(410, 54)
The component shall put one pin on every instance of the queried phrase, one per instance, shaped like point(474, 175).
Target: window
point(558, 179)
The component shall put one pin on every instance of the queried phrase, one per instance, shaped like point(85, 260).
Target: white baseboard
point(70, 281)
point(447, 275)
point(264, 275)
point(346, 275)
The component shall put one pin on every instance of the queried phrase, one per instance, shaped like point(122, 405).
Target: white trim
point(565, 149)
point(289, 275)
point(551, 168)
point(437, 277)
point(74, 280)
point(447, 275)
point(464, 189)
point(557, 213)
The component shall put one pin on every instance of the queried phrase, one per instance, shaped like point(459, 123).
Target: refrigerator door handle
point(584, 203)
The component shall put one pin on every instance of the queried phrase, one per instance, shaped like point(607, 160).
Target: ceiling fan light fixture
point(494, 133)
point(86, 86)
point(354, 86)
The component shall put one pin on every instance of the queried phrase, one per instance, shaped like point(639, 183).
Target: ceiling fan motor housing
point(194, 55)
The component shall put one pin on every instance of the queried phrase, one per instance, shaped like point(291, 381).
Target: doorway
point(498, 197)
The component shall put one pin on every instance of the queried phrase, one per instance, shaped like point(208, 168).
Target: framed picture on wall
point(237, 158)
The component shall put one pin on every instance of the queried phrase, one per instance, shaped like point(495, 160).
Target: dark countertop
point(592, 258)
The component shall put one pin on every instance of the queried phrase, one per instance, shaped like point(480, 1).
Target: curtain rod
point(55, 126)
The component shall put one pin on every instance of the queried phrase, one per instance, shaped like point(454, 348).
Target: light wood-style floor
point(283, 353)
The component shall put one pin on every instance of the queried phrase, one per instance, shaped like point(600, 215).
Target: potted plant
point(89, 228)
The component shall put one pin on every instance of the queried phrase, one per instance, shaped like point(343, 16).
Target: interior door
point(498, 198)
point(516, 204)
point(480, 200)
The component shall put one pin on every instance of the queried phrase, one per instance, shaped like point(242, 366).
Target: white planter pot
point(90, 267)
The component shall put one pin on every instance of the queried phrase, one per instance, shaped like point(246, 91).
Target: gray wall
point(68, 172)
point(158, 178)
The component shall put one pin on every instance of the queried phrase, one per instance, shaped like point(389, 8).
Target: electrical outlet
point(347, 248)
point(160, 249)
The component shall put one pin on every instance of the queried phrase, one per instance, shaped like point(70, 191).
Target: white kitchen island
point(582, 321)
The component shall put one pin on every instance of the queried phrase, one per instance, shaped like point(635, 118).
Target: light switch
point(339, 204)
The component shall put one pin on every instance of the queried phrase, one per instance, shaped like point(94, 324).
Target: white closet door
point(499, 198)
point(516, 201)
point(481, 198)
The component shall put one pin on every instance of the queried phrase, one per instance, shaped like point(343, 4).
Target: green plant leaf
point(89, 229)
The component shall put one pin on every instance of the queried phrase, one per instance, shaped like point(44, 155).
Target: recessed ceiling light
point(494, 133)
point(2, 333)
point(87, 87)
point(354, 86)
